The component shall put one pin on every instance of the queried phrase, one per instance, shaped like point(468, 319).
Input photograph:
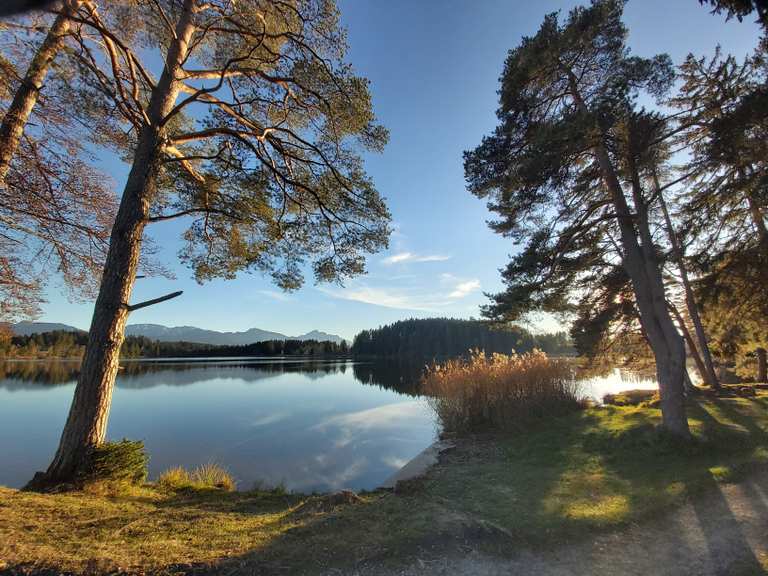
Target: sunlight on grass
point(206, 476)
point(561, 480)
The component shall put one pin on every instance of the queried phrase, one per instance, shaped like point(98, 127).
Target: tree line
point(66, 344)
point(143, 347)
point(451, 337)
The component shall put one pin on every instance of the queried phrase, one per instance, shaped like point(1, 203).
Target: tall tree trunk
point(87, 422)
point(762, 364)
point(644, 271)
point(639, 260)
point(17, 116)
point(710, 376)
point(700, 368)
point(758, 220)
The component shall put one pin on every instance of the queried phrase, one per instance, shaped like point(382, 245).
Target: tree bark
point(17, 116)
point(87, 422)
point(758, 220)
point(709, 376)
point(640, 262)
point(762, 365)
point(644, 271)
point(700, 368)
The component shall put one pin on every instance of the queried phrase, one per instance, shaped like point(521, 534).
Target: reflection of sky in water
point(319, 430)
point(311, 426)
point(615, 381)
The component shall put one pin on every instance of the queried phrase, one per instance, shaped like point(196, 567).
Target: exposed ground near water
point(724, 532)
point(594, 492)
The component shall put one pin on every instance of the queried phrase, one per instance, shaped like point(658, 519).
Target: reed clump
point(499, 392)
point(204, 477)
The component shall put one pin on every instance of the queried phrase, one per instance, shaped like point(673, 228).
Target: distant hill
point(184, 333)
point(200, 335)
point(29, 328)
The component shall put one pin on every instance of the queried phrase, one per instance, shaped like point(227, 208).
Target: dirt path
point(724, 532)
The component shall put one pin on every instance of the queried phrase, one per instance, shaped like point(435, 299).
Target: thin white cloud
point(463, 289)
point(417, 298)
point(378, 297)
point(395, 258)
point(411, 257)
point(275, 295)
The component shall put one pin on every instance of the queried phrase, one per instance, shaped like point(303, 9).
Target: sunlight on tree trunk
point(26, 96)
point(86, 425)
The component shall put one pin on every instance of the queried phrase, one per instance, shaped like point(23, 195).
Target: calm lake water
point(310, 425)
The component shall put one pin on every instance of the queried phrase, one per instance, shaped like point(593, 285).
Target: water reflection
point(310, 424)
point(400, 376)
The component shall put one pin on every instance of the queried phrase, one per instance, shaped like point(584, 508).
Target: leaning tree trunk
point(709, 376)
point(18, 113)
point(762, 364)
point(700, 368)
point(87, 422)
point(639, 260)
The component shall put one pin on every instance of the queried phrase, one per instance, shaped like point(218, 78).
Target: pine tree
point(563, 171)
point(252, 133)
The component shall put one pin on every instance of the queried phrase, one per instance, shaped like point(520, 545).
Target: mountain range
point(184, 333)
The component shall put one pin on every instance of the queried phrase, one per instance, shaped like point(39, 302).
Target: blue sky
point(434, 68)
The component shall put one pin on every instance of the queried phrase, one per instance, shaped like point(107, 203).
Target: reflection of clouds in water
point(378, 417)
point(332, 478)
point(394, 462)
point(268, 419)
point(370, 431)
point(349, 426)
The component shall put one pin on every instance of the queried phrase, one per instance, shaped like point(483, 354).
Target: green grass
point(566, 478)
point(601, 468)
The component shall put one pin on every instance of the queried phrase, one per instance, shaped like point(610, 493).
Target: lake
point(310, 425)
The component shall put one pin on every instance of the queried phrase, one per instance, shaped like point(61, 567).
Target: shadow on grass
point(563, 480)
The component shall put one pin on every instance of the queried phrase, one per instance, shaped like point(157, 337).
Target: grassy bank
point(570, 476)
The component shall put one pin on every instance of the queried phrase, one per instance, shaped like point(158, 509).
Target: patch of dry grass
point(499, 392)
point(207, 476)
point(141, 529)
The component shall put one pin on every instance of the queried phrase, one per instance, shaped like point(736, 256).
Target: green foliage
point(143, 347)
point(565, 91)
point(275, 181)
point(62, 344)
point(739, 9)
point(451, 337)
point(55, 344)
point(725, 107)
point(631, 398)
point(123, 461)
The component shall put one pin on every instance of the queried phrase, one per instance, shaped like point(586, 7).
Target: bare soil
point(724, 532)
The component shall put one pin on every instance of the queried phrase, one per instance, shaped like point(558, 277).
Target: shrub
point(124, 461)
point(499, 392)
point(205, 477)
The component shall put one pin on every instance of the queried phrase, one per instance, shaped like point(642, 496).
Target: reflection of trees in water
point(185, 373)
point(28, 374)
point(18, 375)
point(395, 374)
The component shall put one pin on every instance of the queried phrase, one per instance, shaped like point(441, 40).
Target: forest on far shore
point(424, 338)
